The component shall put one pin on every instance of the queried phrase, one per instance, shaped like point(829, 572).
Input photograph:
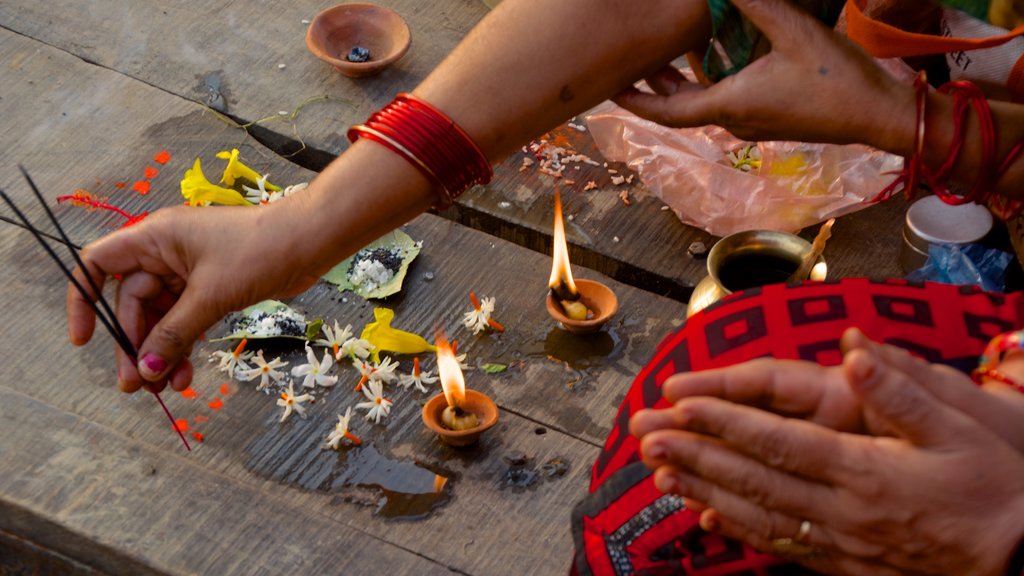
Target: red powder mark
point(225, 389)
point(149, 173)
point(141, 186)
point(189, 393)
point(134, 220)
point(162, 157)
point(200, 419)
point(181, 424)
point(120, 185)
point(198, 436)
point(216, 404)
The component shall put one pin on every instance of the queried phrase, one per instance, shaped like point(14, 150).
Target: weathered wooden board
point(553, 411)
point(232, 51)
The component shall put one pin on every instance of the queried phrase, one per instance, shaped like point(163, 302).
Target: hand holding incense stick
point(105, 315)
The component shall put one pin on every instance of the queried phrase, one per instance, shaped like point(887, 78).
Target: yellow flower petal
point(235, 169)
point(388, 339)
point(197, 190)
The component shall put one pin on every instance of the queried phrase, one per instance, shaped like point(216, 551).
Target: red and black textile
point(625, 526)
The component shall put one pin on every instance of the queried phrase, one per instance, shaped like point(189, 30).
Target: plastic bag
point(798, 184)
point(964, 264)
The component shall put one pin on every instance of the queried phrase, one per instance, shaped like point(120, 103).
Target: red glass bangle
point(431, 141)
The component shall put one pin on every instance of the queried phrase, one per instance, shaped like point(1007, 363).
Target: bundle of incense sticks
point(105, 315)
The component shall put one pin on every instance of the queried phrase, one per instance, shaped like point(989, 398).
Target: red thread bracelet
point(912, 165)
point(429, 140)
point(993, 356)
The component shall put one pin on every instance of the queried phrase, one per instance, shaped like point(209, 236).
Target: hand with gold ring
point(878, 505)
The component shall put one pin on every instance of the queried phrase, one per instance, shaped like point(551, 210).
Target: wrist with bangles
point(966, 97)
point(431, 141)
point(992, 357)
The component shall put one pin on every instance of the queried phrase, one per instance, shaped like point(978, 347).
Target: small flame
point(439, 483)
point(561, 273)
point(448, 370)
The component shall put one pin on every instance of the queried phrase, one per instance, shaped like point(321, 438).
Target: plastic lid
point(936, 222)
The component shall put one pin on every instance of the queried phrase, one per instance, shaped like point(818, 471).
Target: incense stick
point(106, 315)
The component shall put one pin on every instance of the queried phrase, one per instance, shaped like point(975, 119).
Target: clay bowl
point(597, 297)
point(335, 31)
point(477, 403)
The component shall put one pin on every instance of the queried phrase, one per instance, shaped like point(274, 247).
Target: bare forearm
point(528, 66)
point(532, 64)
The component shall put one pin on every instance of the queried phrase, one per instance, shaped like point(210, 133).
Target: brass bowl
point(336, 30)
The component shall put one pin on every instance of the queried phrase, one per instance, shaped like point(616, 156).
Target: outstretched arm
point(529, 65)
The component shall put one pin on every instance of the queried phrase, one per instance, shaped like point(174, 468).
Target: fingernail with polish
point(152, 365)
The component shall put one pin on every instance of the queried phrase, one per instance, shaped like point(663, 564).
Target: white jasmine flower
point(336, 338)
point(383, 372)
point(259, 194)
point(378, 406)
point(418, 377)
point(234, 360)
point(289, 401)
point(314, 372)
point(479, 318)
point(265, 371)
point(341, 432)
point(357, 348)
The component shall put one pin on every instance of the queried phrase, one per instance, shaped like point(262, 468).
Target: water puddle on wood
point(395, 488)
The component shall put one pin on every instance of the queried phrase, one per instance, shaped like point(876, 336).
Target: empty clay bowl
point(597, 297)
point(337, 30)
point(481, 405)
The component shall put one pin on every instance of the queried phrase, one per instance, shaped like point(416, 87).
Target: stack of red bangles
point(430, 141)
point(965, 96)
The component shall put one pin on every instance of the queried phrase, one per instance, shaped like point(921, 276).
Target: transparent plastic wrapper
point(797, 184)
point(965, 264)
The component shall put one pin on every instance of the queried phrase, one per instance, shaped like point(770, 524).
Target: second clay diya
point(581, 306)
point(459, 416)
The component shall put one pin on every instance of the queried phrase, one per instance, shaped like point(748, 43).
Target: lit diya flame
point(560, 282)
point(454, 386)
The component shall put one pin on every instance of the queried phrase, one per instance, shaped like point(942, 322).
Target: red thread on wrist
point(992, 356)
point(908, 178)
point(430, 141)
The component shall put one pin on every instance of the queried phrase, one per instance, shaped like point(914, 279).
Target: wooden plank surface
point(219, 48)
point(99, 477)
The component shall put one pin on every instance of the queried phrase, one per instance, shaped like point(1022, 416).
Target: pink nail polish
point(153, 364)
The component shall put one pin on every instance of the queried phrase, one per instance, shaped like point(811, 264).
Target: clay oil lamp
point(459, 416)
point(582, 306)
point(359, 40)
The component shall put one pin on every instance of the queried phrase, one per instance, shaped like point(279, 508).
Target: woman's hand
point(182, 269)
point(814, 86)
point(942, 494)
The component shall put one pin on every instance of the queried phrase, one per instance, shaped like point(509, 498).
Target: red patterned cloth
point(625, 526)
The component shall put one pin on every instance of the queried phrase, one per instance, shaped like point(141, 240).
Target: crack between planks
point(555, 428)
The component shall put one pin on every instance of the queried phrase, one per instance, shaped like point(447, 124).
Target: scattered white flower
point(336, 338)
point(314, 372)
point(234, 360)
point(417, 378)
point(383, 372)
point(289, 401)
point(357, 348)
point(479, 318)
point(265, 371)
point(341, 432)
point(259, 194)
point(378, 406)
